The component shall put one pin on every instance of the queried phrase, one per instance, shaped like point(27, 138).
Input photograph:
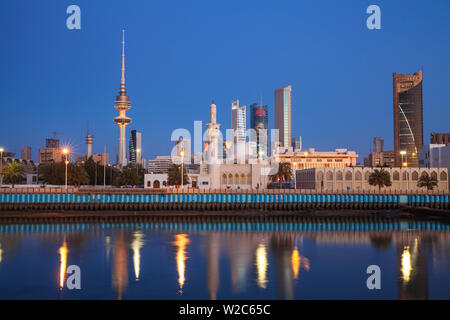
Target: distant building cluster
point(240, 157)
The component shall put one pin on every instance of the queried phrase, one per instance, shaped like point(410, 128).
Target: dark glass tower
point(259, 119)
point(135, 147)
point(408, 118)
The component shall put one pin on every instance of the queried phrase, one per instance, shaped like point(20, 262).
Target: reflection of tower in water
point(412, 266)
point(212, 273)
point(241, 250)
point(120, 270)
point(282, 246)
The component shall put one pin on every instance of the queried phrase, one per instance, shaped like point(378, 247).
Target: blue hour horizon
point(180, 56)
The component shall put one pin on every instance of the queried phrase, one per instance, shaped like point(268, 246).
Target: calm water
point(307, 259)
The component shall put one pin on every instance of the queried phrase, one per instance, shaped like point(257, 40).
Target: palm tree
point(174, 175)
point(284, 173)
point(380, 178)
point(129, 176)
point(426, 181)
point(78, 175)
point(13, 173)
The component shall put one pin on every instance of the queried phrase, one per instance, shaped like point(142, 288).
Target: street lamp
point(1, 166)
point(403, 153)
point(66, 153)
point(182, 161)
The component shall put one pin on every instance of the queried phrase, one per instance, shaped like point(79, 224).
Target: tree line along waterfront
point(94, 174)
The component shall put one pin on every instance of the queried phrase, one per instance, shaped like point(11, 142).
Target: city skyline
point(315, 115)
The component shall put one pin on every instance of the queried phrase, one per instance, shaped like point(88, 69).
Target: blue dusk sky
point(180, 55)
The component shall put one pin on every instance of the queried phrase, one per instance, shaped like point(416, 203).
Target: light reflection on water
point(63, 267)
point(147, 261)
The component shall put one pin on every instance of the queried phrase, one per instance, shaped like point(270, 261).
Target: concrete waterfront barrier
point(223, 200)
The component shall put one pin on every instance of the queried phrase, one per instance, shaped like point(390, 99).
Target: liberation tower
point(122, 104)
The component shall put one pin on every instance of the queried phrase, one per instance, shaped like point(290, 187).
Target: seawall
point(195, 200)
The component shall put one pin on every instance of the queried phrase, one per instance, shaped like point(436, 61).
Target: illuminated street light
point(66, 153)
point(182, 160)
point(1, 166)
point(403, 153)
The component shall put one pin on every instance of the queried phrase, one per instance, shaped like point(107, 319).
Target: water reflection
point(261, 265)
point(213, 269)
point(241, 251)
point(181, 241)
point(136, 246)
point(231, 260)
point(282, 245)
point(63, 264)
point(108, 248)
point(120, 270)
point(298, 261)
point(413, 269)
point(406, 264)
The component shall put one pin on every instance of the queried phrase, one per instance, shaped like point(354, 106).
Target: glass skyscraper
point(259, 121)
point(239, 121)
point(135, 148)
point(408, 118)
point(283, 114)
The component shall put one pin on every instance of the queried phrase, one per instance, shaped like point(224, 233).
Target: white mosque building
point(217, 173)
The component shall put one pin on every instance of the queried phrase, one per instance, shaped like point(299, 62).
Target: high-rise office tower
point(135, 147)
point(297, 144)
point(378, 144)
point(238, 121)
point(26, 153)
point(440, 138)
point(122, 104)
point(408, 118)
point(259, 120)
point(283, 114)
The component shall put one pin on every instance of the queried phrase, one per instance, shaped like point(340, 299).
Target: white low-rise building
point(435, 156)
point(155, 180)
point(357, 178)
point(225, 176)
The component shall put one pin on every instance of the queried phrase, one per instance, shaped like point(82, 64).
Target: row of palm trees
point(382, 178)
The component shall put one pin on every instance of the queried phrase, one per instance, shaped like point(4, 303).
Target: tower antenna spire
point(122, 81)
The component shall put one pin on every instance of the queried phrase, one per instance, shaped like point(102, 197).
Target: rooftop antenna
point(89, 141)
